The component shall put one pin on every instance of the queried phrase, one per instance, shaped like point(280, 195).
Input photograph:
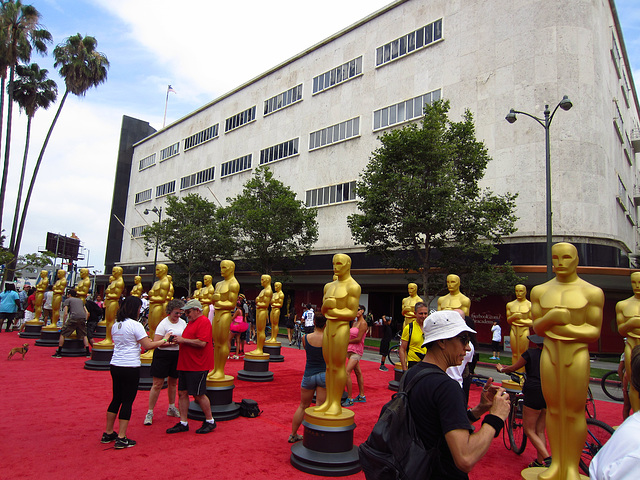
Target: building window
point(404, 111)
point(240, 119)
point(615, 54)
point(143, 196)
point(409, 43)
point(234, 166)
point(335, 133)
point(342, 192)
point(338, 75)
point(170, 151)
point(166, 188)
point(283, 100)
point(136, 232)
point(278, 152)
point(198, 178)
point(147, 162)
point(201, 137)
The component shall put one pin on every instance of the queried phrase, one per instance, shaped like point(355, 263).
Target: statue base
point(48, 338)
point(532, 473)
point(101, 330)
point(100, 358)
point(394, 384)
point(273, 349)
point(220, 394)
point(146, 380)
point(256, 368)
point(31, 330)
point(73, 347)
point(327, 447)
point(512, 386)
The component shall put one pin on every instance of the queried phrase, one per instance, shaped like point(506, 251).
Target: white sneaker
point(148, 419)
point(173, 412)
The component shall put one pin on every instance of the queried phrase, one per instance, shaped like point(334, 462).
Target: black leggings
point(125, 388)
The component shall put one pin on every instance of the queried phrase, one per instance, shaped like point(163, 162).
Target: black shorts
point(195, 383)
point(384, 346)
point(78, 325)
point(533, 398)
point(495, 346)
point(309, 329)
point(164, 363)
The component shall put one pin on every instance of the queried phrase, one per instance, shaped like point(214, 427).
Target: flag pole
point(166, 102)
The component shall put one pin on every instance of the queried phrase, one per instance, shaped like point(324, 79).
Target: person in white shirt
point(619, 458)
point(496, 338)
point(308, 316)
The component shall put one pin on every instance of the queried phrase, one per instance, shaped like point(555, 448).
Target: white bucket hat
point(442, 325)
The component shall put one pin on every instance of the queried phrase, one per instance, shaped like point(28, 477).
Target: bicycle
point(598, 433)
point(394, 351)
point(590, 404)
point(296, 336)
point(514, 429)
point(612, 386)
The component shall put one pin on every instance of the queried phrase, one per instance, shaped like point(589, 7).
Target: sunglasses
point(464, 338)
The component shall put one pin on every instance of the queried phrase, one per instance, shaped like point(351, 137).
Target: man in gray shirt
point(47, 305)
point(74, 319)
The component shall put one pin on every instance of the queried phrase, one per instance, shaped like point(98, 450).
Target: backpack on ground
point(249, 408)
point(394, 451)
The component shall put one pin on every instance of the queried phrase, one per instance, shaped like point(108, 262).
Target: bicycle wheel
point(612, 386)
point(394, 355)
point(299, 338)
point(517, 438)
point(590, 405)
point(598, 433)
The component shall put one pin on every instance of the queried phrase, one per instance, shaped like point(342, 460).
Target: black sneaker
point(56, 354)
point(87, 353)
point(177, 428)
point(124, 443)
point(109, 437)
point(206, 427)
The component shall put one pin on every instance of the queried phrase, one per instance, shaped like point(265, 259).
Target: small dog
point(23, 350)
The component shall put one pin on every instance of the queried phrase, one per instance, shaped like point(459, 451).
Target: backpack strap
point(419, 376)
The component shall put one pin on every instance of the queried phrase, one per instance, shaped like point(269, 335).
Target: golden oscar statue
point(519, 317)
point(196, 292)
point(224, 301)
point(136, 290)
point(340, 306)
point(158, 299)
point(58, 291)
point(103, 322)
point(277, 300)
point(206, 295)
point(628, 319)
point(454, 299)
point(112, 304)
point(41, 287)
point(171, 290)
point(567, 311)
point(262, 312)
point(84, 285)
point(408, 303)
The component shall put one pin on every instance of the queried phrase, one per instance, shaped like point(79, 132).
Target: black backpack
point(249, 408)
point(394, 451)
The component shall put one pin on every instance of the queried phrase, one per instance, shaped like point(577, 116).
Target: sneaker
point(56, 354)
point(173, 412)
point(347, 403)
point(109, 437)
point(383, 368)
point(148, 419)
point(360, 398)
point(492, 358)
point(535, 464)
point(87, 353)
point(547, 462)
point(207, 427)
point(177, 428)
point(124, 443)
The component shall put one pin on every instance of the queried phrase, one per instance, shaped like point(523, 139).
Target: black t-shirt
point(532, 368)
point(438, 406)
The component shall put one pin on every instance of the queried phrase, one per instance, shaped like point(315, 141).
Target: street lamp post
point(565, 104)
point(157, 211)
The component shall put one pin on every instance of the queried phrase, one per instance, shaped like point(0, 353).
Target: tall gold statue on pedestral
point(567, 311)
point(519, 317)
point(628, 318)
point(277, 300)
point(224, 301)
point(112, 302)
point(206, 295)
point(454, 299)
point(408, 304)
point(41, 287)
point(84, 285)
point(340, 306)
point(262, 312)
point(136, 290)
point(196, 292)
point(158, 298)
point(58, 291)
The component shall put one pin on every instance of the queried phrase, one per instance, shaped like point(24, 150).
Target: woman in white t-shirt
point(165, 360)
point(127, 334)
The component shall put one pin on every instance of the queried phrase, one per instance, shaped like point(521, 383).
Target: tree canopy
point(420, 204)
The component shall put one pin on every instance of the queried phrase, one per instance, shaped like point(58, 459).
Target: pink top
point(357, 348)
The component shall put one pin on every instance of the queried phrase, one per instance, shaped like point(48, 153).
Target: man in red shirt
point(194, 362)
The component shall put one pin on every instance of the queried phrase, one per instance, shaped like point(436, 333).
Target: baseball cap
point(193, 303)
point(442, 325)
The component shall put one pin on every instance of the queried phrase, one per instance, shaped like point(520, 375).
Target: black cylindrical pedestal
point(100, 332)
point(73, 347)
point(256, 370)
point(48, 338)
point(326, 451)
point(31, 331)
point(100, 359)
point(397, 375)
point(146, 380)
point(222, 405)
point(273, 349)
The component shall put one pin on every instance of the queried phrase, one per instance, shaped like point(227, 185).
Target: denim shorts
point(314, 381)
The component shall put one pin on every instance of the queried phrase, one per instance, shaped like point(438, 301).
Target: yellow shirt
point(415, 344)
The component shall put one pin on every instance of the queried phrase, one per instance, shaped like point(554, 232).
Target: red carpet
point(55, 414)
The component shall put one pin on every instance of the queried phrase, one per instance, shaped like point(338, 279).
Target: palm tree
point(21, 33)
point(82, 67)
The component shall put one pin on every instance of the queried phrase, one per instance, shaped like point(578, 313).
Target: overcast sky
point(203, 48)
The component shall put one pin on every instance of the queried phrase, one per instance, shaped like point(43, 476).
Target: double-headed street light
point(157, 211)
point(565, 104)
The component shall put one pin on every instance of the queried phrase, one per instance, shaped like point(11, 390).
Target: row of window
point(338, 75)
point(166, 188)
point(136, 232)
point(234, 166)
point(143, 196)
point(239, 119)
point(147, 161)
point(198, 178)
point(342, 192)
point(170, 151)
point(278, 152)
point(282, 100)
point(404, 111)
point(409, 43)
point(335, 133)
point(201, 137)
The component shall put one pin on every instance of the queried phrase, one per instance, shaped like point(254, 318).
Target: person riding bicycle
point(535, 407)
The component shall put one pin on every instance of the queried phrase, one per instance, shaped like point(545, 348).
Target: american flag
point(170, 89)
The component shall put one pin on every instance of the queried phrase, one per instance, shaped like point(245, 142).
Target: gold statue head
point(521, 292)
point(207, 280)
point(61, 274)
point(117, 272)
point(137, 280)
point(84, 272)
point(277, 286)
point(44, 274)
point(161, 270)
point(453, 283)
point(198, 284)
point(565, 259)
point(265, 280)
point(341, 264)
point(635, 283)
point(227, 268)
point(413, 289)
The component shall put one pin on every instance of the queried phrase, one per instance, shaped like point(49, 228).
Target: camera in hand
point(172, 338)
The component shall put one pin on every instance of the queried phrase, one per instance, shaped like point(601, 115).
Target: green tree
point(272, 227)
point(190, 236)
point(82, 67)
point(421, 207)
point(20, 33)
